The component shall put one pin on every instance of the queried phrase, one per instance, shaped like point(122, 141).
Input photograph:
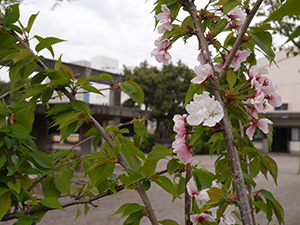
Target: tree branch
point(68, 204)
point(187, 197)
point(239, 40)
point(121, 158)
point(242, 199)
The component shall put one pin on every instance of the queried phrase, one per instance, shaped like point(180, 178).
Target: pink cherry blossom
point(165, 15)
point(274, 99)
point(179, 147)
point(236, 18)
point(165, 19)
point(262, 124)
point(193, 191)
point(235, 14)
point(160, 53)
point(201, 218)
point(239, 57)
point(227, 217)
point(183, 152)
point(179, 124)
point(202, 72)
point(164, 27)
point(200, 58)
point(256, 72)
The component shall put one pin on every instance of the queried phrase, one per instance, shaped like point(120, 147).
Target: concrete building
point(107, 112)
point(286, 119)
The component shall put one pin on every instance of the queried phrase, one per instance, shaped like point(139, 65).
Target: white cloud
point(122, 29)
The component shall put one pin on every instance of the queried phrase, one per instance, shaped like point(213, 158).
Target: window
point(284, 106)
point(295, 134)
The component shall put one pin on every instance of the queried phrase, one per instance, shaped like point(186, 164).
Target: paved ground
point(287, 193)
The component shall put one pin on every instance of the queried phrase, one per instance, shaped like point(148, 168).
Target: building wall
point(286, 76)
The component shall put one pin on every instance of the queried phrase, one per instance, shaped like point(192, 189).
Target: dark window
point(284, 106)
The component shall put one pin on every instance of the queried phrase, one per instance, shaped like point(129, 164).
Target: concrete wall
point(286, 76)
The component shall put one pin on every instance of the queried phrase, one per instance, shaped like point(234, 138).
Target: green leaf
point(173, 165)
point(24, 220)
point(129, 208)
point(215, 194)
point(249, 179)
point(81, 106)
point(46, 42)
point(58, 77)
point(105, 170)
point(91, 88)
point(12, 14)
point(5, 204)
point(30, 22)
point(279, 212)
point(3, 191)
point(43, 160)
point(33, 90)
point(132, 208)
point(132, 147)
point(166, 184)
point(18, 130)
point(273, 168)
point(103, 76)
point(268, 195)
point(290, 7)
point(229, 5)
point(158, 152)
point(149, 167)
point(140, 129)
point(204, 177)
point(138, 95)
point(128, 88)
point(133, 178)
point(231, 78)
point(2, 160)
point(51, 202)
point(295, 34)
point(134, 218)
point(219, 27)
point(264, 41)
point(193, 89)
point(78, 213)
point(46, 95)
point(15, 187)
point(168, 222)
point(254, 167)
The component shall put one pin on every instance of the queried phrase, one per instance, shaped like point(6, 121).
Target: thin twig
point(239, 40)
point(68, 204)
point(83, 141)
point(4, 95)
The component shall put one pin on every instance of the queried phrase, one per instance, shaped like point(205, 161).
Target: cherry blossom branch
point(249, 186)
point(121, 158)
point(68, 204)
point(4, 95)
point(239, 40)
point(242, 199)
point(187, 197)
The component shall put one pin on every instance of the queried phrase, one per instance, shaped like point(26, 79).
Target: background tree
point(284, 18)
point(164, 90)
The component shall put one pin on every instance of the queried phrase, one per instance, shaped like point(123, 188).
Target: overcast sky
point(120, 29)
